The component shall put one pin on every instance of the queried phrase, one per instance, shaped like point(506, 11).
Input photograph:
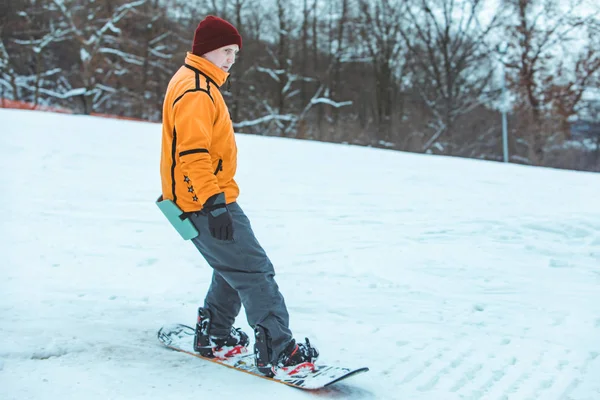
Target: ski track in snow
point(448, 278)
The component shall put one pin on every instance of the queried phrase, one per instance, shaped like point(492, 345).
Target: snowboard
point(180, 338)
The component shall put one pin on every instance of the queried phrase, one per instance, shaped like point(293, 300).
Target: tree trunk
point(237, 87)
point(315, 63)
point(282, 50)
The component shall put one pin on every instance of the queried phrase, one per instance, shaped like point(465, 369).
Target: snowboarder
point(198, 164)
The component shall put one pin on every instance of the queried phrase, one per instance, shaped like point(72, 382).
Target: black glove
point(220, 222)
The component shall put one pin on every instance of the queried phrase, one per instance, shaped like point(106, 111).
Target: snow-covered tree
point(29, 42)
point(8, 75)
point(95, 28)
point(403, 74)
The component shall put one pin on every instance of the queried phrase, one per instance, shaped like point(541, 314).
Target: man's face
point(223, 57)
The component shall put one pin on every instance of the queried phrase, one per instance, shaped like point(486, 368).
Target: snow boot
point(294, 359)
point(217, 347)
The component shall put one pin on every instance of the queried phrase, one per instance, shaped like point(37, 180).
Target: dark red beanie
point(213, 33)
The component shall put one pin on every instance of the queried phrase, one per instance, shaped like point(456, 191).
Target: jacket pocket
point(219, 166)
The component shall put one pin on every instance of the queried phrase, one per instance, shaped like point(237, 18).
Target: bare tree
point(8, 86)
point(95, 30)
point(565, 88)
point(29, 50)
point(241, 62)
point(539, 35)
point(38, 40)
point(8, 75)
point(450, 60)
point(404, 74)
point(279, 73)
point(304, 43)
point(282, 56)
point(380, 27)
point(154, 37)
point(337, 55)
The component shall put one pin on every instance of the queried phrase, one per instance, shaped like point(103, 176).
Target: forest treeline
point(414, 75)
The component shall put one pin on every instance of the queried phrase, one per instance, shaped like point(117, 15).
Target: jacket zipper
point(219, 166)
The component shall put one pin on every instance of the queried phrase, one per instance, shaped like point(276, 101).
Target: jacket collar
point(206, 67)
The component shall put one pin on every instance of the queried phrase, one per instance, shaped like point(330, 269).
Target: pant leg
point(224, 304)
point(245, 266)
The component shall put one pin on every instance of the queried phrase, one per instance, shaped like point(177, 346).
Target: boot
point(295, 358)
point(217, 347)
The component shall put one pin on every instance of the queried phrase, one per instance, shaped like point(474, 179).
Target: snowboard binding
point(217, 347)
point(262, 351)
point(202, 343)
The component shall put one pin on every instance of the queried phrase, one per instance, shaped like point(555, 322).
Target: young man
point(198, 164)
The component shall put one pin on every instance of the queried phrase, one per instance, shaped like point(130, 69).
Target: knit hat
point(213, 33)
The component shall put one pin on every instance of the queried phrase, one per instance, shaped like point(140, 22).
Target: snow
point(449, 278)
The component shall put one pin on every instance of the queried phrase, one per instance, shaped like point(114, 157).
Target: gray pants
point(242, 274)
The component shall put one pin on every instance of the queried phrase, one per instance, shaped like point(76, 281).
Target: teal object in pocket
point(186, 229)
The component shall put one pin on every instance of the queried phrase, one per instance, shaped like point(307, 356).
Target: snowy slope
point(449, 278)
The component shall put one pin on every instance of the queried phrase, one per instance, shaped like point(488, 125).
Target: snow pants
point(242, 274)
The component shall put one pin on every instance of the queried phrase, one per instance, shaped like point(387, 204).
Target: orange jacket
point(199, 153)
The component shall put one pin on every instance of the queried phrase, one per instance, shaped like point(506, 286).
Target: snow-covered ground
point(449, 278)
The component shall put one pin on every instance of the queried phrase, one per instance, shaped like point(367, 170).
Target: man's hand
point(220, 222)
